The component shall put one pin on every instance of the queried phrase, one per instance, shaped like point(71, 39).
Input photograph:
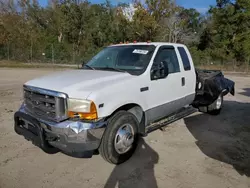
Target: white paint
point(116, 89)
point(190, 76)
point(166, 90)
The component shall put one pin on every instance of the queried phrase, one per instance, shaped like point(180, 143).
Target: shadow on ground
point(246, 92)
point(226, 137)
point(138, 171)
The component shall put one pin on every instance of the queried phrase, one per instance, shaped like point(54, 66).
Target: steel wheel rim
point(124, 139)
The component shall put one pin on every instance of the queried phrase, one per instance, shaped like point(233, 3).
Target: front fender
point(110, 107)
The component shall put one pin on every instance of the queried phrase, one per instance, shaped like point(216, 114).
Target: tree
point(144, 25)
point(71, 30)
point(231, 23)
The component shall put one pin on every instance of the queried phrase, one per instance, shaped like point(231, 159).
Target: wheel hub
point(129, 139)
point(124, 139)
point(218, 103)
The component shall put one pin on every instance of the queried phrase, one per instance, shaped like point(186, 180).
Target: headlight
point(82, 109)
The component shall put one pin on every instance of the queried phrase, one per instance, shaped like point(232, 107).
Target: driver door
point(165, 94)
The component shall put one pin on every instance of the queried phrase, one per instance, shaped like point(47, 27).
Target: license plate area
point(30, 128)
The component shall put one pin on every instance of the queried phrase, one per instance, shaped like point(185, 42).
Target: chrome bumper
point(68, 136)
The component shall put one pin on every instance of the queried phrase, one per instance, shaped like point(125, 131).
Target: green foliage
point(228, 32)
point(69, 31)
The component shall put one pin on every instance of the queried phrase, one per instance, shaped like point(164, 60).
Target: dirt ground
point(199, 151)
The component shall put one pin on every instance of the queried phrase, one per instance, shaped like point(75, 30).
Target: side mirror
point(159, 71)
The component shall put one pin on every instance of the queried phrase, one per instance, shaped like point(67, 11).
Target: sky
point(201, 5)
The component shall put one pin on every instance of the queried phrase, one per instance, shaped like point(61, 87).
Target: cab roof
point(150, 43)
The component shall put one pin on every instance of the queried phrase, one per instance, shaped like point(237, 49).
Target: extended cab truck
point(125, 91)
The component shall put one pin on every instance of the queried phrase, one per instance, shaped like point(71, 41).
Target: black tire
point(107, 147)
point(214, 111)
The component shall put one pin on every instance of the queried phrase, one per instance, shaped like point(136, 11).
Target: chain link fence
point(68, 56)
point(49, 54)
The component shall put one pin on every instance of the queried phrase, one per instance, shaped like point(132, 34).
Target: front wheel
point(120, 138)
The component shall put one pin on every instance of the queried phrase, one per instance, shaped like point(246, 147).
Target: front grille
point(45, 104)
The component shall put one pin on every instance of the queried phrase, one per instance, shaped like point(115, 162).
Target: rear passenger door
point(188, 73)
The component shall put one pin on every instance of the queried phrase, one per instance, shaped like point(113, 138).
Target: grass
point(16, 64)
point(226, 68)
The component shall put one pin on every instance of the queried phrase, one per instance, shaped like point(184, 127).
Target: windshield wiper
point(112, 68)
point(89, 67)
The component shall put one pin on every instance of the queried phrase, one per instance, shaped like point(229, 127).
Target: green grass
point(15, 64)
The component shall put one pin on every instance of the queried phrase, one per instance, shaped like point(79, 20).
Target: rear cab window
point(184, 58)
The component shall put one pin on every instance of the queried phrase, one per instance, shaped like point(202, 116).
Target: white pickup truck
point(125, 91)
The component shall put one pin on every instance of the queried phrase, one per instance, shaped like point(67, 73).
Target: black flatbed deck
point(209, 85)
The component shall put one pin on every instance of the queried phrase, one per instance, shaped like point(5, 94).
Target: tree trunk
point(170, 36)
point(60, 37)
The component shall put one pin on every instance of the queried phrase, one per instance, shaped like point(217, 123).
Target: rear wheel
point(215, 108)
point(120, 138)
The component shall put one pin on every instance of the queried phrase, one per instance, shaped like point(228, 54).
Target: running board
point(170, 119)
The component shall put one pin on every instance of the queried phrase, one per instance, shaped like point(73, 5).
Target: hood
point(79, 83)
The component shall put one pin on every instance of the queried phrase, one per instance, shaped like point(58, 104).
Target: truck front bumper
point(71, 137)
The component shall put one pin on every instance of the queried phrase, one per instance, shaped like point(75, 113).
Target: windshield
point(133, 59)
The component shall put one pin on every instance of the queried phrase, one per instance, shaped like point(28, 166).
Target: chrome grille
point(45, 104)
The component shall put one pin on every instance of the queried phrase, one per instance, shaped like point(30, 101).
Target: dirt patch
point(199, 151)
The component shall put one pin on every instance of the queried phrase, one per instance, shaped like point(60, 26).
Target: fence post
point(248, 59)
point(52, 54)
point(8, 51)
point(234, 64)
point(73, 53)
point(222, 64)
point(31, 51)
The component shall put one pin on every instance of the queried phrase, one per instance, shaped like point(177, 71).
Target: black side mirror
point(159, 70)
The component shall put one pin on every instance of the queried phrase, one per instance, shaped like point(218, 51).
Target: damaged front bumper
point(68, 136)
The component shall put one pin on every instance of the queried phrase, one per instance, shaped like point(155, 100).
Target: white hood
point(79, 83)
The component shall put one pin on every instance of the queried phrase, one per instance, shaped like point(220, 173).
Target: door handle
point(144, 89)
point(183, 81)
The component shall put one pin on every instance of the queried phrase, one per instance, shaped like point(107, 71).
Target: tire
point(119, 126)
point(215, 108)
